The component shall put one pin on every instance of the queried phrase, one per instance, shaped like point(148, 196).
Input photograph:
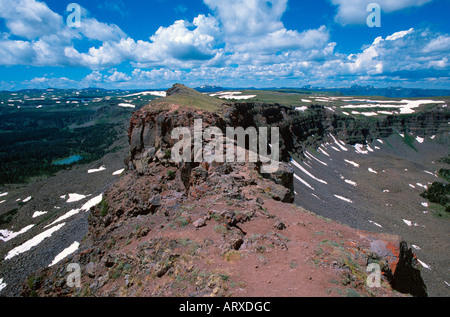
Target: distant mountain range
point(356, 90)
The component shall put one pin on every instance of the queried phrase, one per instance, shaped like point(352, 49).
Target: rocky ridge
point(200, 229)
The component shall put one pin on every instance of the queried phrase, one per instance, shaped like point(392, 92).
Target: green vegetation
point(188, 97)
point(8, 216)
point(104, 207)
point(439, 193)
point(409, 140)
point(82, 123)
point(170, 175)
point(444, 173)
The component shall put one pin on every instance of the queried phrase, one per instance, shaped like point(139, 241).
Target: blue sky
point(151, 44)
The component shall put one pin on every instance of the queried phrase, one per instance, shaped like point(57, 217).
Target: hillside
point(165, 229)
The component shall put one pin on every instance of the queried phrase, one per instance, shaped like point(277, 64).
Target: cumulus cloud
point(355, 12)
point(240, 40)
point(244, 18)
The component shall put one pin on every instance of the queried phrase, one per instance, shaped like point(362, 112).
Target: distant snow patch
point(118, 172)
point(33, 242)
point(86, 207)
point(4, 194)
point(343, 148)
point(344, 199)
point(309, 155)
point(372, 171)
point(323, 152)
point(65, 253)
point(91, 203)
point(232, 95)
point(308, 173)
point(27, 199)
point(431, 173)
point(126, 105)
point(350, 182)
point(352, 163)
point(152, 93)
point(425, 204)
point(303, 182)
point(419, 139)
point(39, 213)
point(421, 185)
point(7, 235)
point(74, 198)
point(301, 109)
point(102, 168)
point(336, 149)
point(424, 264)
point(410, 223)
point(359, 148)
point(376, 224)
point(2, 284)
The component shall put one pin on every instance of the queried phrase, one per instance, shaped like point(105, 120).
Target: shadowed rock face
point(407, 278)
point(301, 129)
point(401, 266)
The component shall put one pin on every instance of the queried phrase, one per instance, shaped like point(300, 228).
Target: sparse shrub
point(171, 174)
point(104, 207)
point(438, 193)
point(444, 173)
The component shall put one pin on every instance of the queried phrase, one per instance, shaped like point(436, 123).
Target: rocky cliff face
point(301, 129)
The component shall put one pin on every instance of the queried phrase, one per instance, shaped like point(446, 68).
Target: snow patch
point(431, 173)
point(352, 163)
point(2, 284)
point(65, 253)
point(359, 148)
point(39, 213)
point(344, 199)
point(126, 105)
point(424, 264)
point(310, 156)
point(33, 242)
point(8, 235)
point(303, 182)
point(308, 173)
point(102, 168)
point(376, 224)
point(419, 139)
point(118, 172)
point(74, 198)
point(372, 171)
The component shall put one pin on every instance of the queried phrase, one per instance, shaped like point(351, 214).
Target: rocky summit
point(167, 228)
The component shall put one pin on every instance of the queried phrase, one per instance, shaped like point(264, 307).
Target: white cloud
point(29, 19)
point(245, 40)
point(118, 77)
point(355, 12)
point(248, 18)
